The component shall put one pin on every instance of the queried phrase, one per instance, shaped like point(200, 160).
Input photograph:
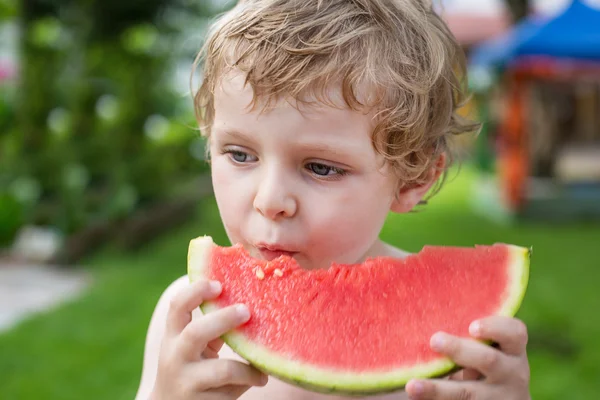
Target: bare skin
point(252, 388)
point(187, 345)
point(288, 182)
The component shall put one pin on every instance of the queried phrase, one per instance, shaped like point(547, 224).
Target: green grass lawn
point(92, 348)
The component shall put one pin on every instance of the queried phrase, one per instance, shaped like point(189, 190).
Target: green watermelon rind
point(349, 383)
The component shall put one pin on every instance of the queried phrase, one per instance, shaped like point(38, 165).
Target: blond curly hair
point(401, 51)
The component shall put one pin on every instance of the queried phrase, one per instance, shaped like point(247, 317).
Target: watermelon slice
point(359, 329)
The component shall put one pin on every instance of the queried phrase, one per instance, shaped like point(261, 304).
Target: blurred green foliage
point(93, 125)
point(8, 9)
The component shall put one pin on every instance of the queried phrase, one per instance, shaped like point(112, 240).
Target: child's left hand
point(489, 373)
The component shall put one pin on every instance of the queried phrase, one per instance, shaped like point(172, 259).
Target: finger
point(196, 335)
point(187, 300)
point(216, 344)
point(457, 376)
point(442, 390)
point(212, 348)
point(470, 374)
point(210, 353)
point(467, 374)
point(232, 391)
point(216, 374)
point(509, 333)
point(472, 354)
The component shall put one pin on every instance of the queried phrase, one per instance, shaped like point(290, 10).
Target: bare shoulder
point(156, 330)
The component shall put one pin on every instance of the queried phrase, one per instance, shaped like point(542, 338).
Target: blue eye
point(324, 170)
point(240, 156)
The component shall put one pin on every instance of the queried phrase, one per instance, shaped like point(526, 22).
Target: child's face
point(305, 183)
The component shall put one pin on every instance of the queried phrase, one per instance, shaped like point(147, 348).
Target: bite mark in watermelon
point(364, 328)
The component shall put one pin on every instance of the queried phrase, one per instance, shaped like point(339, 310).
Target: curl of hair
point(396, 57)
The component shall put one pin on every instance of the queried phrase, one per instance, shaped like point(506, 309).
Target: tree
point(93, 105)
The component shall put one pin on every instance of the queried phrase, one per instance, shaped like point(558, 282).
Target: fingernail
point(438, 341)
point(475, 329)
point(417, 388)
point(215, 286)
point(243, 312)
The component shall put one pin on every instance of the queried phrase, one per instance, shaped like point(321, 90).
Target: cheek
point(350, 221)
point(231, 192)
point(363, 214)
point(230, 182)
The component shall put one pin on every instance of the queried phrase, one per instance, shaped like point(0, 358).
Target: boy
point(322, 116)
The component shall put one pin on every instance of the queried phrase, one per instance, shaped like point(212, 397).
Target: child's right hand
point(188, 365)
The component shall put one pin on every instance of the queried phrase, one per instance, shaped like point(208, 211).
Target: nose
point(273, 198)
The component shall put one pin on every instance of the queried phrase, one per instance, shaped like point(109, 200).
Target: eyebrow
point(236, 134)
point(325, 148)
point(333, 147)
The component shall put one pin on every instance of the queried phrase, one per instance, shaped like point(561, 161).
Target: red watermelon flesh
point(361, 328)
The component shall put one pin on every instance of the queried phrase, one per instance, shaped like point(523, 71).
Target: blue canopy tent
point(497, 51)
point(574, 34)
point(565, 48)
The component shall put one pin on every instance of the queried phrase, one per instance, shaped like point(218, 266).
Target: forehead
point(234, 105)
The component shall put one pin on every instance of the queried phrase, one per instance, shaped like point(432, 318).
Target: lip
point(270, 252)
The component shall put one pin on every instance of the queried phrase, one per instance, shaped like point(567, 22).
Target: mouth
point(271, 252)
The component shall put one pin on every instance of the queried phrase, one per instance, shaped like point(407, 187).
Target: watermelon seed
point(278, 272)
point(260, 274)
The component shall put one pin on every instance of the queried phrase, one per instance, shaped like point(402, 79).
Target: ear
point(408, 197)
